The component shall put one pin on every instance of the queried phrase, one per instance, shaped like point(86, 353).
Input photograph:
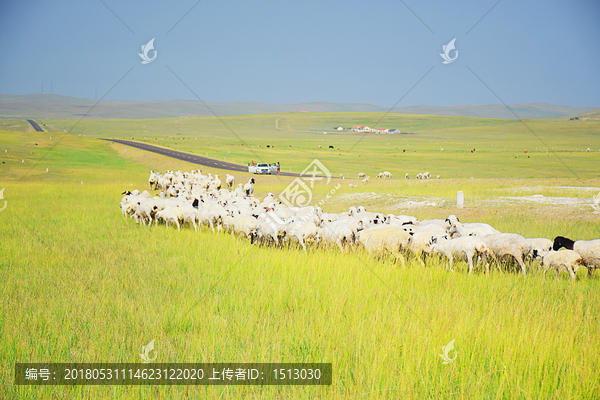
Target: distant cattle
point(331, 147)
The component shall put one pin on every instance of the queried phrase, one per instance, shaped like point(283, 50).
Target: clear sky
point(281, 51)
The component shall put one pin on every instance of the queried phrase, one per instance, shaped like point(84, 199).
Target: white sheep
point(465, 246)
point(420, 243)
point(565, 260)
point(366, 180)
point(338, 233)
point(508, 244)
point(406, 176)
point(387, 175)
point(588, 249)
point(383, 240)
point(362, 175)
point(301, 231)
point(474, 228)
point(245, 225)
point(248, 188)
point(539, 246)
point(169, 215)
point(230, 181)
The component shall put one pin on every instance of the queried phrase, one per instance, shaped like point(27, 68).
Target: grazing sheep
point(445, 224)
point(337, 233)
point(431, 229)
point(539, 246)
point(468, 229)
point(366, 180)
point(465, 246)
point(245, 225)
point(406, 176)
point(229, 181)
point(564, 260)
point(420, 243)
point(153, 179)
point(385, 240)
point(248, 188)
point(588, 249)
point(387, 175)
point(508, 244)
point(169, 215)
point(362, 175)
point(301, 231)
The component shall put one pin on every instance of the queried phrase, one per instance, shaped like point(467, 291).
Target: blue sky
point(299, 51)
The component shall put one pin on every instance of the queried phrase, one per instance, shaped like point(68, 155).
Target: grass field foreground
point(82, 284)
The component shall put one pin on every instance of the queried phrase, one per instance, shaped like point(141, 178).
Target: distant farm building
point(360, 128)
point(382, 131)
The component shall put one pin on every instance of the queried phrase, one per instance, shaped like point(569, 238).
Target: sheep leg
point(522, 264)
point(573, 276)
point(451, 259)
point(400, 256)
point(496, 262)
point(470, 261)
point(485, 262)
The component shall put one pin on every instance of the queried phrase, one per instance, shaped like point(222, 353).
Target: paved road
point(192, 158)
point(35, 125)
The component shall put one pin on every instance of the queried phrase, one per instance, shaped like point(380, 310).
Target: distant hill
point(588, 116)
point(65, 107)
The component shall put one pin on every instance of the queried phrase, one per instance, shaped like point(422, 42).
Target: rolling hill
point(65, 107)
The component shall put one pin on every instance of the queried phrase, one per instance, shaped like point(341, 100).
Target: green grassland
point(82, 284)
point(554, 148)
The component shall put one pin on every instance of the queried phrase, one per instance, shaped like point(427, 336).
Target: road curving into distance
point(191, 158)
point(35, 125)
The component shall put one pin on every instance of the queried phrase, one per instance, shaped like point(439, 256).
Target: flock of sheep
point(388, 175)
point(194, 199)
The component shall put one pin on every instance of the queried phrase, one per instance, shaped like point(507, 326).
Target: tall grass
point(82, 284)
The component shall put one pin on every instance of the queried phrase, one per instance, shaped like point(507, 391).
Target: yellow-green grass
point(82, 284)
